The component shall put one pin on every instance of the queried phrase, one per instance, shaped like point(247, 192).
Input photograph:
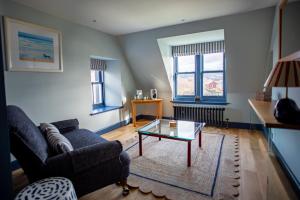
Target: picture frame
point(32, 48)
point(139, 94)
point(153, 93)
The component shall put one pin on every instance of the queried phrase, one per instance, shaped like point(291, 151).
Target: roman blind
point(98, 64)
point(199, 48)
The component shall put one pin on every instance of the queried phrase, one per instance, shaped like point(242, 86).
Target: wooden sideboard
point(159, 107)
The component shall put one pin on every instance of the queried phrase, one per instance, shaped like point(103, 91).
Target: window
point(200, 76)
point(97, 80)
point(185, 76)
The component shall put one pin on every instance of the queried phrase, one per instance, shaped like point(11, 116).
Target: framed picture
point(153, 93)
point(31, 47)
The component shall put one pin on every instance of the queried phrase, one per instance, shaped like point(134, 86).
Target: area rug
point(163, 169)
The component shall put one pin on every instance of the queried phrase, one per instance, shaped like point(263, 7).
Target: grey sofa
point(94, 163)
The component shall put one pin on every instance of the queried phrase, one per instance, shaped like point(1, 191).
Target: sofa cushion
point(57, 141)
point(20, 124)
point(82, 137)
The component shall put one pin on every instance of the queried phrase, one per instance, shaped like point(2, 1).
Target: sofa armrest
point(94, 155)
point(84, 158)
point(66, 125)
point(59, 165)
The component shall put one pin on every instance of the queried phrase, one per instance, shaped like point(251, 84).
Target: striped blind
point(97, 64)
point(199, 48)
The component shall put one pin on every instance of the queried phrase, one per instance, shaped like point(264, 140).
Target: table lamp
point(286, 74)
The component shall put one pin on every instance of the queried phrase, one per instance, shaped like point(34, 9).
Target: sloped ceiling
point(247, 36)
point(127, 16)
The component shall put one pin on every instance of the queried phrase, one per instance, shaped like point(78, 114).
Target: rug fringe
point(229, 184)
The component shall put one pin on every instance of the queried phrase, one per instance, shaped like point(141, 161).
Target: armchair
point(94, 163)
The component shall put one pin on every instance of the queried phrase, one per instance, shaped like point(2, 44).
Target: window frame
point(183, 97)
point(199, 72)
point(202, 71)
point(102, 83)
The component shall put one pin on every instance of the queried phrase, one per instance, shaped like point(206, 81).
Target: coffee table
point(184, 131)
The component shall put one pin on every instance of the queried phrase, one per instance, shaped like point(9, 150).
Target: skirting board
point(124, 123)
point(113, 127)
point(288, 172)
point(295, 182)
point(239, 125)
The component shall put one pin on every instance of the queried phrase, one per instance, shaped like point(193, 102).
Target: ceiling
point(206, 36)
point(119, 17)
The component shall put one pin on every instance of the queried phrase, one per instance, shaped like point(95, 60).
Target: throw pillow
point(58, 142)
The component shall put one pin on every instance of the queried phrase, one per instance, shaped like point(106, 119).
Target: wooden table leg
point(159, 110)
point(200, 139)
point(159, 139)
point(133, 106)
point(140, 144)
point(189, 154)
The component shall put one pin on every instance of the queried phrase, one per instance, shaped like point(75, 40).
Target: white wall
point(48, 97)
point(247, 39)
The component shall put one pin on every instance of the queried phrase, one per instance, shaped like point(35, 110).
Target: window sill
point(200, 103)
point(102, 109)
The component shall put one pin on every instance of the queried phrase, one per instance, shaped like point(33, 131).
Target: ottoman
point(58, 188)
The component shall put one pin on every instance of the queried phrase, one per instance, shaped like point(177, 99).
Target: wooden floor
point(256, 166)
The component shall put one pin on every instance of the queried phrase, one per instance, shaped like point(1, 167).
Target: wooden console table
point(158, 103)
point(265, 112)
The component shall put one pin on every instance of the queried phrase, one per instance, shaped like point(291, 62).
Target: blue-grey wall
point(247, 38)
point(47, 97)
point(287, 141)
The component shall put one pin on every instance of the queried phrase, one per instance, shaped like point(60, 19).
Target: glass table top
point(184, 130)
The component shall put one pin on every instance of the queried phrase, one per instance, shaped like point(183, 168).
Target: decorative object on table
point(286, 73)
point(139, 94)
point(59, 188)
point(153, 93)
point(172, 123)
point(32, 47)
point(265, 95)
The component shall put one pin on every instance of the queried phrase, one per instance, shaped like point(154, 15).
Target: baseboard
point(150, 117)
point(242, 125)
point(239, 125)
point(125, 122)
point(284, 166)
point(294, 181)
point(113, 127)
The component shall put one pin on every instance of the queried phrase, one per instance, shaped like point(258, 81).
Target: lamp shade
point(286, 73)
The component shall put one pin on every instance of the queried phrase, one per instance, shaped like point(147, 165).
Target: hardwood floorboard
point(250, 190)
point(255, 166)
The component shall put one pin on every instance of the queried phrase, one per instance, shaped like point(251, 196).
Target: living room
point(111, 67)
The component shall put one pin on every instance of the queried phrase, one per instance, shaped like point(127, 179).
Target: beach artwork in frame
point(31, 47)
